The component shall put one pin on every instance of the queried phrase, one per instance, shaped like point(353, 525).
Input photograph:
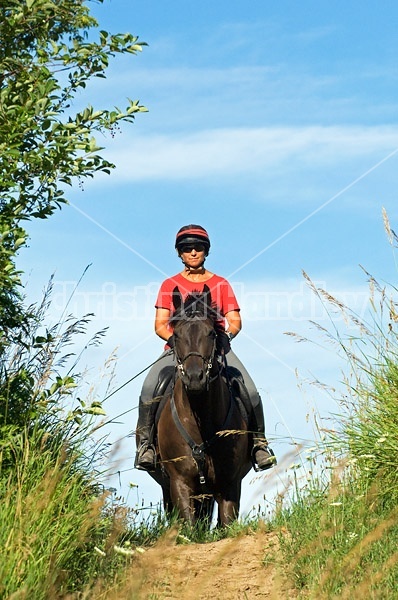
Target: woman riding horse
point(203, 435)
point(193, 245)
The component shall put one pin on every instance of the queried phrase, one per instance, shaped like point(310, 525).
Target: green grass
point(53, 512)
point(49, 513)
point(336, 542)
point(339, 535)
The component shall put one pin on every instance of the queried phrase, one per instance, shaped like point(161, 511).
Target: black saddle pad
point(163, 388)
point(239, 391)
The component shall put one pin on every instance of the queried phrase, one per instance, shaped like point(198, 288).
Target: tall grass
point(49, 511)
point(341, 532)
point(53, 512)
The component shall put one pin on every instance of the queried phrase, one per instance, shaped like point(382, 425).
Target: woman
point(193, 245)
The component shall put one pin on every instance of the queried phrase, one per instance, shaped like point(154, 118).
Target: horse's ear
point(207, 295)
point(177, 298)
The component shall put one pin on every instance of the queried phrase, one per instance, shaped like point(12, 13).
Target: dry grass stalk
point(387, 227)
point(227, 432)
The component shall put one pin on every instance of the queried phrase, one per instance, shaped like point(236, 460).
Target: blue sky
point(274, 125)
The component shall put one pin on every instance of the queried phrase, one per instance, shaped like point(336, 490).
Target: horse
point(203, 440)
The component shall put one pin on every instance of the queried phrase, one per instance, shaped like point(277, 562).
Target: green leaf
point(95, 410)
point(50, 50)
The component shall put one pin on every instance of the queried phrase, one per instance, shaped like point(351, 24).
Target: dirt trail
point(230, 569)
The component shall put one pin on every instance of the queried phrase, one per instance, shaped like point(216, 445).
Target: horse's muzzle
point(195, 380)
point(194, 372)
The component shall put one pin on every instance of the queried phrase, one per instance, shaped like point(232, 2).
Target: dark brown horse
point(203, 443)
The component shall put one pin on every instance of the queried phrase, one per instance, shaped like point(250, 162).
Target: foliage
point(39, 380)
point(340, 535)
point(56, 516)
point(47, 55)
point(367, 432)
point(52, 509)
point(61, 532)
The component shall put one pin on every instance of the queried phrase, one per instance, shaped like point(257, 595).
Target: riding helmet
point(189, 234)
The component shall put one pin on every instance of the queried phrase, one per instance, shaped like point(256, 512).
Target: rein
point(199, 450)
point(134, 377)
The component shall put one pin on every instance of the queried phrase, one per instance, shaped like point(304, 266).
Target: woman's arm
point(162, 317)
point(234, 322)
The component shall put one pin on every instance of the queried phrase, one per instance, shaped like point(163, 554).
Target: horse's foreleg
point(228, 511)
point(167, 502)
point(228, 504)
point(181, 496)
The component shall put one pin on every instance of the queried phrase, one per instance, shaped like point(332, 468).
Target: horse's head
point(194, 325)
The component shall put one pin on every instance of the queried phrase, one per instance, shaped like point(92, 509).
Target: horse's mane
point(196, 305)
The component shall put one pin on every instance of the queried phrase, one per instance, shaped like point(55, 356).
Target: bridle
point(207, 362)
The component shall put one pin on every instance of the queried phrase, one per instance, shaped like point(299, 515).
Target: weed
point(341, 533)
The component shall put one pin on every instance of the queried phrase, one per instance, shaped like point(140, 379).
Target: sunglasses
point(189, 247)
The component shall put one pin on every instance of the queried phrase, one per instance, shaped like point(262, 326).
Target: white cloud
point(247, 151)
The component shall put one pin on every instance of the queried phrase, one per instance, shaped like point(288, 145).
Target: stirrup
point(145, 458)
point(268, 462)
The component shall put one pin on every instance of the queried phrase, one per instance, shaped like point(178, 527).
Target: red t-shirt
point(222, 295)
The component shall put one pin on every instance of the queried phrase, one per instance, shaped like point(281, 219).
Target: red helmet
point(189, 234)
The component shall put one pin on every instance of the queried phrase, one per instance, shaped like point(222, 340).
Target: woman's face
point(193, 255)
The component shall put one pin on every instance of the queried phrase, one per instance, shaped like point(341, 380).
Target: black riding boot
point(145, 458)
point(262, 456)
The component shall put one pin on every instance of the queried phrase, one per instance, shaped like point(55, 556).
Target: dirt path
point(235, 568)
